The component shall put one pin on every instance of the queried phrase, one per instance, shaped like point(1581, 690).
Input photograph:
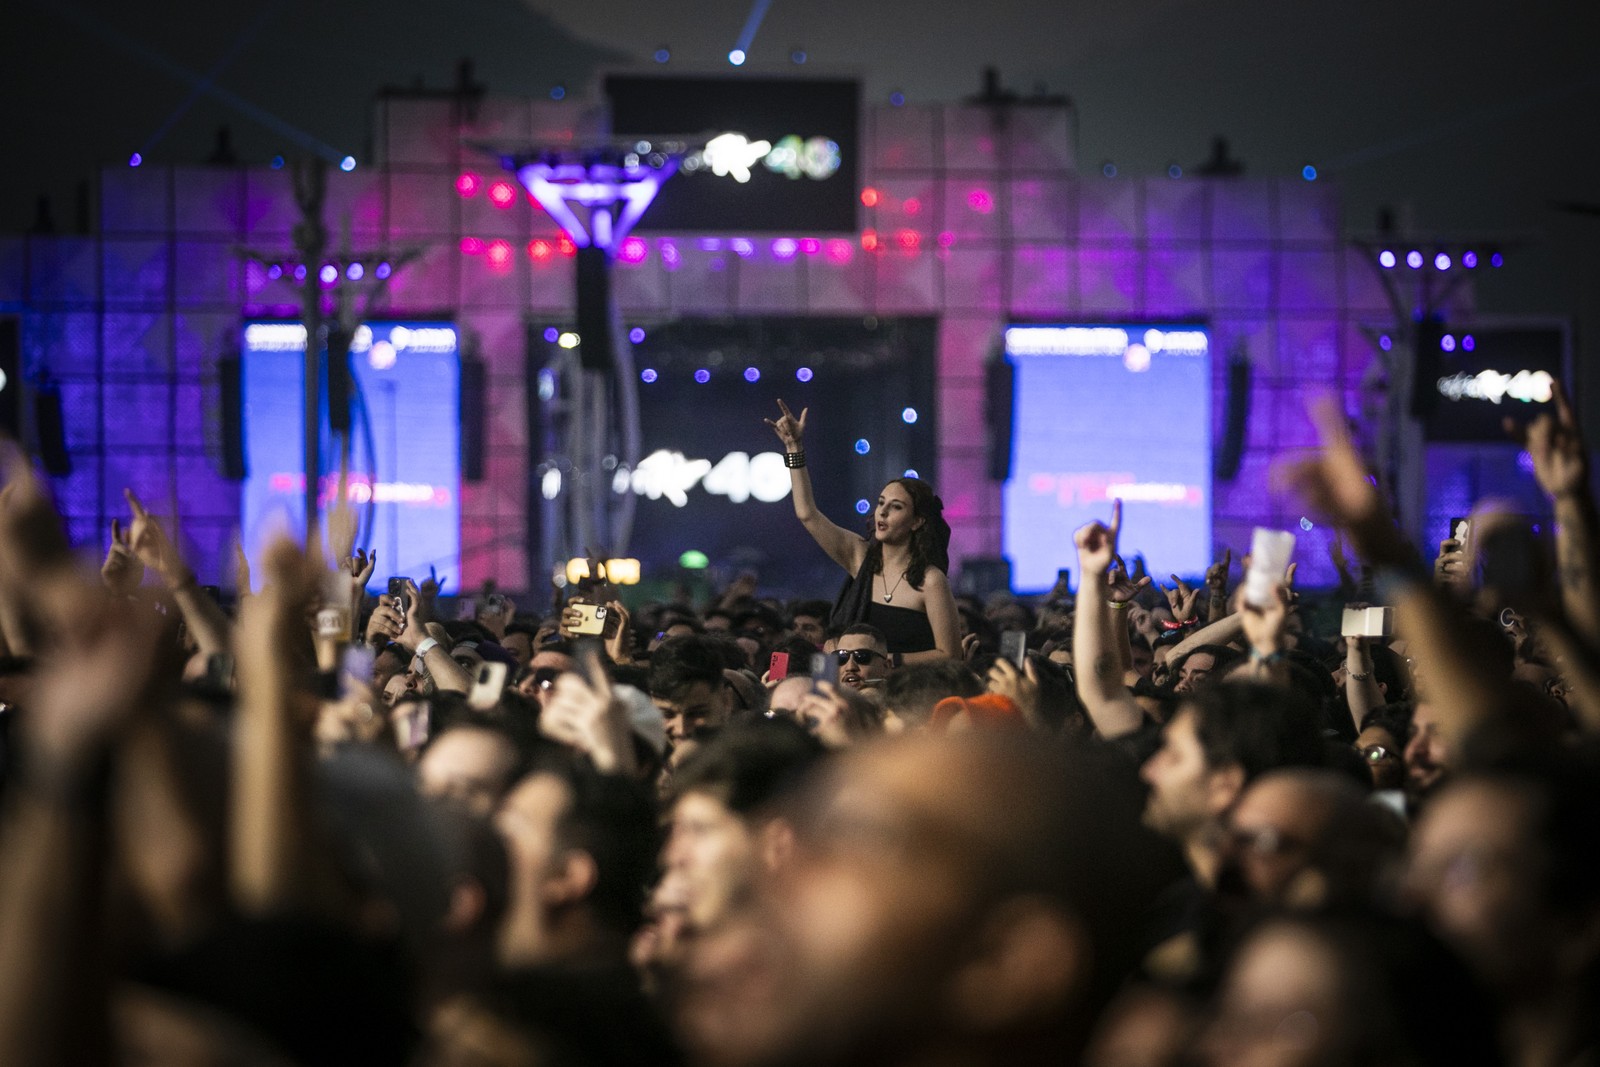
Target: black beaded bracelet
point(794, 460)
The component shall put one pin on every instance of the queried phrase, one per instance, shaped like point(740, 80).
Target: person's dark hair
point(1223, 657)
point(812, 609)
point(470, 719)
point(527, 629)
point(759, 613)
point(749, 764)
point(680, 662)
point(1256, 727)
point(911, 692)
point(930, 543)
point(1059, 705)
point(867, 630)
point(469, 630)
point(1389, 670)
point(1394, 716)
point(799, 651)
point(613, 819)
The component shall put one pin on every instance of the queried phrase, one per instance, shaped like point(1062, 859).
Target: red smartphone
point(778, 669)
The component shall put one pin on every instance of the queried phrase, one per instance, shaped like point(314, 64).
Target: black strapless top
point(905, 629)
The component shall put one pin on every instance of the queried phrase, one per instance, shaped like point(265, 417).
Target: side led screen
point(1103, 412)
point(405, 441)
point(771, 154)
point(1482, 375)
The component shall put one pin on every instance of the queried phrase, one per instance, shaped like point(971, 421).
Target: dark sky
point(1466, 116)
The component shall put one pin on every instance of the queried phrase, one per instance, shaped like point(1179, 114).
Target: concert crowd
point(1136, 822)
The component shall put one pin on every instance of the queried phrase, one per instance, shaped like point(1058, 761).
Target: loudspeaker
point(51, 430)
point(1236, 416)
point(11, 378)
point(595, 345)
point(339, 384)
point(474, 397)
point(999, 414)
point(230, 387)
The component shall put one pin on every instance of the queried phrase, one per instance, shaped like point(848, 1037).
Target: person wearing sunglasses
point(863, 656)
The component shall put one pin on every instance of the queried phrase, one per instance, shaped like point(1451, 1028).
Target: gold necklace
point(888, 594)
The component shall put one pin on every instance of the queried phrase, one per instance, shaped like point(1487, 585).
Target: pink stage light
point(910, 240)
point(784, 248)
point(468, 184)
point(810, 245)
point(540, 250)
point(742, 248)
point(946, 239)
point(840, 251)
point(980, 201)
point(499, 255)
point(912, 206)
point(471, 246)
point(633, 250)
point(870, 197)
point(502, 195)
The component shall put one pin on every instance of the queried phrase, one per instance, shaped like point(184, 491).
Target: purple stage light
point(863, 446)
point(751, 374)
point(862, 507)
point(908, 416)
point(347, 164)
point(1414, 259)
point(277, 162)
point(710, 244)
point(633, 250)
point(897, 99)
point(669, 254)
point(135, 159)
point(300, 273)
point(1441, 261)
point(636, 335)
point(803, 374)
point(736, 57)
point(354, 272)
point(663, 55)
point(1525, 462)
point(742, 248)
point(1448, 342)
point(911, 473)
point(1386, 259)
point(1497, 260)
point(1385, 342)
point(384, 270)
point(1469, 259)
point(702, 376)
point(1468, 344)
point(275, 272)
point(784, 248)
point(551, 334)
point(1308, 172)
point(647, 375)
point(328, 274)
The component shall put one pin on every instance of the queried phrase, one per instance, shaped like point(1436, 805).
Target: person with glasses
point(863, 655)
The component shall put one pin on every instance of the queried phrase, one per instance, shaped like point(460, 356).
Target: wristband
point(1172, 627)
point(1357, 677)
point(1257, 657)
point(426, 645)
point(1119, 605)
point(795, 460)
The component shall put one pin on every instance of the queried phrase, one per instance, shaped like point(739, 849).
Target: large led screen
point(1103, 412)
point(712, 477)
point(775, 155)
point(405, 469)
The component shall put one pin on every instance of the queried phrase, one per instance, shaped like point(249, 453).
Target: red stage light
point(468, 184)
point(499, 255)
point(566, 246)
point(910, 240)
point(869, 196)
point(540, 250)
point(502, 195)
point(869, 240)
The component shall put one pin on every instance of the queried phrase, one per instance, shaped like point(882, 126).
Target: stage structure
point(597, 193)
point(970, 218)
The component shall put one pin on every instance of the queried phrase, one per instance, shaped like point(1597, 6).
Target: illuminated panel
point(1104, 411)
point(405, 478)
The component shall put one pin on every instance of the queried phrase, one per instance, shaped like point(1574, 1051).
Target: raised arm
point(202, 615)
point(843, 547)
point(1111, 707)
point(1561, 467)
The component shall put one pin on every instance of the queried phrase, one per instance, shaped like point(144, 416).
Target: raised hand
point(122, 571)
point(1183, 600)
point(1097, 543)
point(789, 429)
point(149, 542)
point(360, 567)
point(1336, 486)
point(432, 583)
point(1120, 588)
point(1264, 625)
point(241, 571)
point(1020, 687)
point(586, 715)
point(1555, 444)
point(1217, 573)
point(386, 623)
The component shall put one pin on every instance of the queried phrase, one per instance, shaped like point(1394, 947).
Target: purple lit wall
point(974, 221)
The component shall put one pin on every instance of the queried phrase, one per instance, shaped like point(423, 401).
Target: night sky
point(1471, 116)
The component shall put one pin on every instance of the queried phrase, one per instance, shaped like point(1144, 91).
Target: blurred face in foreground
point(712, 852)
point(873, 942)
point(1280, 1004)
